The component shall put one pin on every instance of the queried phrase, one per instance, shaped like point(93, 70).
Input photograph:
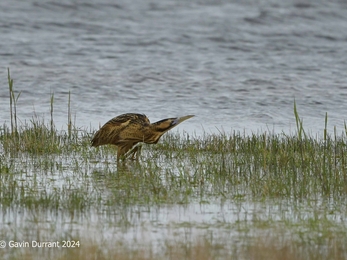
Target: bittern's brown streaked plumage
point(126, 130)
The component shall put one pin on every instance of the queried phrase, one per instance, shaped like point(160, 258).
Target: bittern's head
point(161, 127)
point(168, 123)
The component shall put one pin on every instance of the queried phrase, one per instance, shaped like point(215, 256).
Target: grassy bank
point(284, 195)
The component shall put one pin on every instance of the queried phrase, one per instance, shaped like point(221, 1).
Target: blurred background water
point(236, 65)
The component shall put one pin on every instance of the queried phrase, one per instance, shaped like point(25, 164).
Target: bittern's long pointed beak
point(181, 119)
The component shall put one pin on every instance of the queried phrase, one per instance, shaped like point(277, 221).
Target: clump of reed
point(36, 137)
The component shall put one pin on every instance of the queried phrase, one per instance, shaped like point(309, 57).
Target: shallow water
point(230, 224)
point(234, 65)
point(89, 198)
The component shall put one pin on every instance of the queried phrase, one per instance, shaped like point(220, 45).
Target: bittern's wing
point(121, 130)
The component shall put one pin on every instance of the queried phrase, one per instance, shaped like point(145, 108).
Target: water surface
point(234, 65)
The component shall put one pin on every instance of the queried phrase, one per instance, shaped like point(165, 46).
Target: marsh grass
point(268, 164)
point(262, 165)
point(48, 172)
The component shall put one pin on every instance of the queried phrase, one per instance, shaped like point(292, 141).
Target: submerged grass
point(57, 172)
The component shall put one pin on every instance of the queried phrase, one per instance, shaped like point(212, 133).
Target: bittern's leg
point(121, 154)
point(137, 151)
point(132, 153)
point(118, 154)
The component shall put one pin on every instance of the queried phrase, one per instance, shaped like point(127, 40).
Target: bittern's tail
point(98, 139)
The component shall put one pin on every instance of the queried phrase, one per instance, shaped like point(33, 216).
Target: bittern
point(127, 130)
